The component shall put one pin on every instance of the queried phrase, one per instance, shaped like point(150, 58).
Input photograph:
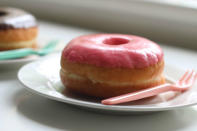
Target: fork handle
point(138, 95)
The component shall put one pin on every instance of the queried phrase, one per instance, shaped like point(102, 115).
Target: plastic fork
point(18, 53)
point(183, 84)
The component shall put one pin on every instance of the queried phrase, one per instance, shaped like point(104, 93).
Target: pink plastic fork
point(183, 84)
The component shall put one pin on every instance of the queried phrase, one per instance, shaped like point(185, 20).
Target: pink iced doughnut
point(105, 65)
point(113, 50)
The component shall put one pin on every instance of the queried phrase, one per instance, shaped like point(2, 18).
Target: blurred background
point(171, 22)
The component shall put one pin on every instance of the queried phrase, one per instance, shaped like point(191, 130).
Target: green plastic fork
point(18, 53)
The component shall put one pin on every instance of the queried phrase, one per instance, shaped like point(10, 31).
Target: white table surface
point(20, 110)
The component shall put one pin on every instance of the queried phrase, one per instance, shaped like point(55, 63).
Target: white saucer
point(42, 77)
point(15, 63)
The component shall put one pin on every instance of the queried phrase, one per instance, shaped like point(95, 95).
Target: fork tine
point(189, 77)
point(184, 76)
point(193, 78)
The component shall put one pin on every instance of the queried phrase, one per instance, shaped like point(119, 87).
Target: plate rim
point(28, 59)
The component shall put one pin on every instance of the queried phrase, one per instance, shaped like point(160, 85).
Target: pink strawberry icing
point(113, 50)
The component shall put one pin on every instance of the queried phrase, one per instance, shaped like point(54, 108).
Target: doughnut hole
point(2, 13)
point(115, 41)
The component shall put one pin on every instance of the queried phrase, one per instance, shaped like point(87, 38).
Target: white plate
point(42, 77)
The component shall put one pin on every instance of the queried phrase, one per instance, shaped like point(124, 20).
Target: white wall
point(167, 22)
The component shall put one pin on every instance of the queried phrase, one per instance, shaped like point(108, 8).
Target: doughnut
point(107, 65)
point(18, 29)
